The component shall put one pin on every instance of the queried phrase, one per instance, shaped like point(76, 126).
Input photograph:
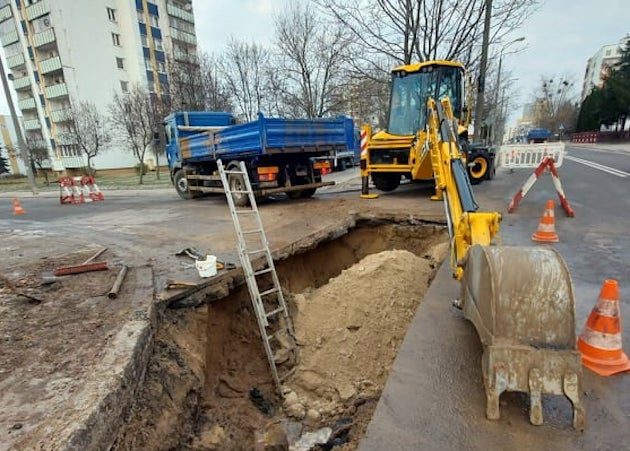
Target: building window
point(111, 13)
point(143, 39)
point(158, 44)
point(161, 67)
point(141, 17)
point(155, 21)
point(147, 64)
point(120, 63)
point(607, 52)
point(116, 39)
point(124, 86)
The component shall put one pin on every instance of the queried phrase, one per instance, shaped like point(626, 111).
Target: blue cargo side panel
point(239, 139)
point(300, 133)
point(196, 146)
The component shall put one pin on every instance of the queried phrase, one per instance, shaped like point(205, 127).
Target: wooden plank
point(206, 189)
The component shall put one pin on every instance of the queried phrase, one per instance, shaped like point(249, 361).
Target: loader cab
point(411, 87)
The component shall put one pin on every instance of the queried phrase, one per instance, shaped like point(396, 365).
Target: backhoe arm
point(466, 225)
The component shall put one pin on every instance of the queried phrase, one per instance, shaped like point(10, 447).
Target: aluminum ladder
point(274, 322)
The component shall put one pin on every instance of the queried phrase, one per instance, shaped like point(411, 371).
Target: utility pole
point(481, 81)
point(18, 132)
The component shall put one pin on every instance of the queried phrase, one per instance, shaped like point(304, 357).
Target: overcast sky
point(560, 36)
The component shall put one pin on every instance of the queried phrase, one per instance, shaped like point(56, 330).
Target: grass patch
point(105, 182)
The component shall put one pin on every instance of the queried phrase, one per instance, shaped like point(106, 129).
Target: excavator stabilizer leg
point(520, 300)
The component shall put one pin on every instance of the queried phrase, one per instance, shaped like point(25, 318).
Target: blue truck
point(538, 135)
point(280, 154)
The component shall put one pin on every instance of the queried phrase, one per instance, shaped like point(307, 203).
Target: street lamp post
point(498, 87)
point(481, 82)
point(18, 131)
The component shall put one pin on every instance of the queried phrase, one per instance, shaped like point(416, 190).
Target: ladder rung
point(244, 211)
point(274, 312)
point(234, 172)
point(262, 271)
point(257, 251)
point(270, 291)
point(273, 335)
point(244, 232)
point(239, 192)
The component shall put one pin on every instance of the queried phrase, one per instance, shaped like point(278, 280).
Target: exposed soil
point(208, 384)
point(49, 348)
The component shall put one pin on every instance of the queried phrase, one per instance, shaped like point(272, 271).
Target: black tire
point(342, 166)
point(307, 193)
point(181, 186)
point(386, 181)
point(479, 169)
point(237, 183)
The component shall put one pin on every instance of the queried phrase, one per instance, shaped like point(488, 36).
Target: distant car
point(538, 135)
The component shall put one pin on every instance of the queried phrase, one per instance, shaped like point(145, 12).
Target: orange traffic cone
point(17, 207)
point(600, 341)
point(546, 232)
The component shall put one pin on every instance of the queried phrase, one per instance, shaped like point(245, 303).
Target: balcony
point(10, 38)
point(60, 115)
point(180, 13)
point(190, 58)
point(33, 124)
point(36, 10)
point(27, 104)
point(15, 60)
point(5, 13)
point(50, 65)
point(54, 91)
point(21, 83)
point(183, 36)
point(65, 140)
point(43, 38)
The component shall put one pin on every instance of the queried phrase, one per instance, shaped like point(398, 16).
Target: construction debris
point(78, 269)
point(11, 287)
point(95, 256)
point(113, 293)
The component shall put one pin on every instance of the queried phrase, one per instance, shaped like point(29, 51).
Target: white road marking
point(601, 167)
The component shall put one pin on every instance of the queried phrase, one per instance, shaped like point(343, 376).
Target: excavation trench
point(208, 385)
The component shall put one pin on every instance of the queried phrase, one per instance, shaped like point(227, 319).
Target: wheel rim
point(237, 185)
point(182, 184)
point(479, 168)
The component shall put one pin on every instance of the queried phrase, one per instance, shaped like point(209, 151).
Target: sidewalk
point(607, 147)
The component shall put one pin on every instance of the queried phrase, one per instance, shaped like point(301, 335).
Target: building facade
point(64, 51)
point(8, 145)
point(600, 64)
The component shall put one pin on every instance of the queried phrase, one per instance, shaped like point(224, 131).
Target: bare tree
point(312, 58)
point(243, 67)
point(87, 129)
point(133, 117)
point(555, 106)
point(401, 31)
point(38, 157)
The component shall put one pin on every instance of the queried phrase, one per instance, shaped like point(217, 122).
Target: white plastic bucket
point(207, 267)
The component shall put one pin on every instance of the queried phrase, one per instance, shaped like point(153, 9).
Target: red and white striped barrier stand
point(366, 132)
point(546, 164)
point(92, 192)
point(69, 193)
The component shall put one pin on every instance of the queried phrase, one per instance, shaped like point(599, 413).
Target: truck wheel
point(181, 186)
point(343, 165)
point(478, 169)
point(237, 183)
point(307, 193)
point(386, 181)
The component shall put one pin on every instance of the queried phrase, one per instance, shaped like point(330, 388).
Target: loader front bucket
point(520, 300)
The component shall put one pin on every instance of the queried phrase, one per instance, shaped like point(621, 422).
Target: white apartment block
point(64, 51)
point(600, 64)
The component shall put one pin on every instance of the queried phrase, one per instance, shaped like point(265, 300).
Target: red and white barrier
point(547, 164)
point(517, 156)
point(364, 143)
point(78, 190)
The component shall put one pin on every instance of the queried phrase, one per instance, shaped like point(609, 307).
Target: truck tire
point(237, 183)
point(479, 168)
point(181, 186)
point(307, 193)
point(386, 181)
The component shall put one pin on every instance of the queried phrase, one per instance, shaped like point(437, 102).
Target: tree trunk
point(141, 173)
point(157, 165)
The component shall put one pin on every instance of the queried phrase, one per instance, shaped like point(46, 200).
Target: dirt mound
point(349, 330)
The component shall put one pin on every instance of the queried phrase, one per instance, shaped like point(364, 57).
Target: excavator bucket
point(520, 300)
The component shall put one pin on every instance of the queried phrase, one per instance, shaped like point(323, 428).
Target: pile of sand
point(350, 329)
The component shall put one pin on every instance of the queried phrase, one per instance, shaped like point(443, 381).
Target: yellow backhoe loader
point(519, 299)
point(401, 149)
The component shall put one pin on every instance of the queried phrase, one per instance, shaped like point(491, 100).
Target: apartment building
point(64, 51)
point(600, 64)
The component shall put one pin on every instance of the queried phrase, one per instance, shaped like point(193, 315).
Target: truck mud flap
point(520, 300)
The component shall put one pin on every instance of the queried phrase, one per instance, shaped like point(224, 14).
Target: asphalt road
point(434, 397)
